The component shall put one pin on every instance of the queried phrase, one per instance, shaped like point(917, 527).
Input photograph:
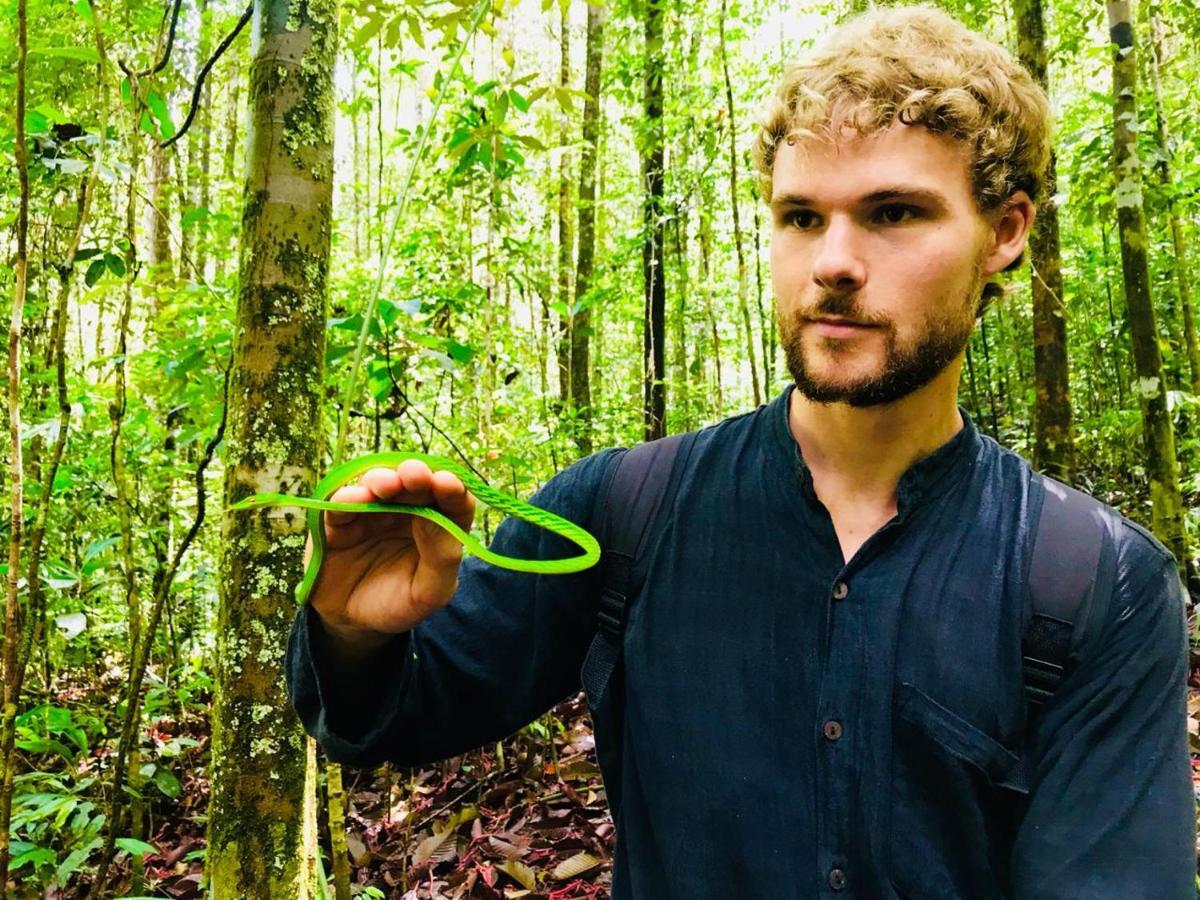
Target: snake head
point(257, 501)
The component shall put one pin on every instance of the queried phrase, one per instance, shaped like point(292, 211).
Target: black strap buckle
point(611, 615)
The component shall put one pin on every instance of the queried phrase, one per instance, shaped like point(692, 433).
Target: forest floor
point(525, 820)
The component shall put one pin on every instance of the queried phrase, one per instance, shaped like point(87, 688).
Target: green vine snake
point(319, 503)
point(342, 472)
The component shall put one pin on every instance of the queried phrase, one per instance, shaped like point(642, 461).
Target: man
point(822, 672)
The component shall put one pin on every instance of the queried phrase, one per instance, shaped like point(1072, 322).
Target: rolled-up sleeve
point(1111, 810)
point(507, 647)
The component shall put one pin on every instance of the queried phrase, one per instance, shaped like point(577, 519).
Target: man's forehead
point(896, 161)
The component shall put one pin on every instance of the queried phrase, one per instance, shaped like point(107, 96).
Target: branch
point(162, 63)
point(212, 61)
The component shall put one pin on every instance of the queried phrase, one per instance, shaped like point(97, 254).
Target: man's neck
point(858, 454)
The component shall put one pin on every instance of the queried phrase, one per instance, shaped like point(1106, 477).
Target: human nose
point(838, 265)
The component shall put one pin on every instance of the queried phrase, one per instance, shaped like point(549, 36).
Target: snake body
point(319, 503)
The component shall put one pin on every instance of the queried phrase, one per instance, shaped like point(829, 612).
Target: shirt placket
point(838, 730)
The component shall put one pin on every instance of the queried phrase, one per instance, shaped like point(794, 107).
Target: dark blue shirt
point(796, 725)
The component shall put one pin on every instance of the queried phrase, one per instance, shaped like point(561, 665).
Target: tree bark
point(1162, 467)
point(654, 284)
point(743, 285)
point(258, 817)
point(12, 613)
point(709, 307)
point(1054, 441)
point(581, 387)
point(562, 343)
point(1179, 260)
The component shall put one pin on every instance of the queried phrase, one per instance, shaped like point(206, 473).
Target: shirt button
point(832, 729)
point(840, 590)
point(837, 879)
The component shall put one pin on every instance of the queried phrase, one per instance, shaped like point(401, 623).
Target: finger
point(453, 498)
point(347, 493)
point(417, 480)
point(384, 484)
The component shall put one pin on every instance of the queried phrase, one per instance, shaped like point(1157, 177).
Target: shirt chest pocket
point(958, 795)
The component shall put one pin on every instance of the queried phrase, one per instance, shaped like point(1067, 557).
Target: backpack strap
point(1063, 572)
point(631, 494)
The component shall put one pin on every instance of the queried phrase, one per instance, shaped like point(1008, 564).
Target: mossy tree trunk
point(1054, 443)
point(1179, 261)
point(653, 219)
point(257, 816)
point(581, 320)
point(1162, 466)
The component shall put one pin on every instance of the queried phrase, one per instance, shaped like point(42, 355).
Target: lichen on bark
point(257, 831)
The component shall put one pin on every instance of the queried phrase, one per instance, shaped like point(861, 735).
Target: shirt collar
point(927, 477)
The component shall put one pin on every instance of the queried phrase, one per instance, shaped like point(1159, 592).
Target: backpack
point(1062, 572)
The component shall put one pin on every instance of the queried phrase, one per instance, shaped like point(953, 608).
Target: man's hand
point(383, 573)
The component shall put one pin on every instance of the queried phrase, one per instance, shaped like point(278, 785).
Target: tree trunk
point(12, 616)
point(581, 388)
point(1179, 260)
point(743, 285)
point(653, 361)
point(203, 172)
point(562, 343)
point(1054, 443)
point(229, 155)
point(258, 817)
point(709, 307)
point(1162, 467)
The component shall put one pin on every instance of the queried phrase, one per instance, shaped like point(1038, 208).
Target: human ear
point(1009, 230)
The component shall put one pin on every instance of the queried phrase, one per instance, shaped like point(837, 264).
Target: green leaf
point(116, 265)
point(368, 31)
point(459, 352)
point(81, 54)
point(194, 215)
point(165, 781)
point(39, 856)
point(74, 860)
point(135, 847)
point(85, 12)
point(45, 745)
point(87, 253)
point(159, 107)
point(518, 101)
point(36, 122)
point(95, 548)
point(94, 272)
point(531, 142)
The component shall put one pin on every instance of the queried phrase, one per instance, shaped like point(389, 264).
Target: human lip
point(838, 327)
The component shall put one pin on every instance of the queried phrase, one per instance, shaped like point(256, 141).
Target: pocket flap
point(962, 739)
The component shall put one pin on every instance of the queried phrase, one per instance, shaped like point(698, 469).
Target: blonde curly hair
point(918, 66)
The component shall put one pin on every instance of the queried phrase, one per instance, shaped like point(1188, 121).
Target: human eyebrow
point(919, 196)
point(785, 201)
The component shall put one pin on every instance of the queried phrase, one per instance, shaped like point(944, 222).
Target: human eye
point(895, 214)
point(803, 219)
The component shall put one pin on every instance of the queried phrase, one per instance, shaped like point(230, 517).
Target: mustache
point(844, 306)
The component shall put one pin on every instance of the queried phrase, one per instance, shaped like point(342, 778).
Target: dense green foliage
point(461, 354)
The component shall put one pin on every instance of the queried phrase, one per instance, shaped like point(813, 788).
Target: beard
point(907, 366)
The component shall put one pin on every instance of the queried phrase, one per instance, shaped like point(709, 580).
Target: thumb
point(438, 557)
